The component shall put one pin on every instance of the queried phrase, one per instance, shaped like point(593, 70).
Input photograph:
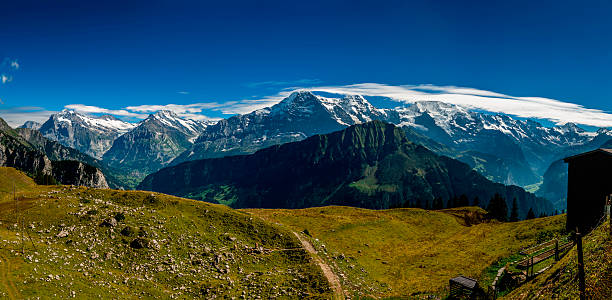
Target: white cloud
point(183, 92)
point(6, 78)
point(8, 67)
point(176, 108)
point(99, 110)
point(194, 110)
point(189, 111)
point(248, 105)
point(16, 116)
point(554, 110)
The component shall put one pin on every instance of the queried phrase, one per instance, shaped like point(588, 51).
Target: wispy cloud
point(248, 105)
point(6, 78)
point(183, 92)
point(16, 116)
point(557, 111)
point(7, 69)
point(190, 111)
point(274, 83)
point(88, 109)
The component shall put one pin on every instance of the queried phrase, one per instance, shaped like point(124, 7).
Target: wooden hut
point(462, 287)
point(589, 184)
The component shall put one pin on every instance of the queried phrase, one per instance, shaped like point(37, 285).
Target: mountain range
point(370, 165)
point(502, 148)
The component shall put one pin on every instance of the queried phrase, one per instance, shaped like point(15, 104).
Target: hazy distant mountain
point(370, 165)
point(153, 143)
point(31, 125)
point(90, 135)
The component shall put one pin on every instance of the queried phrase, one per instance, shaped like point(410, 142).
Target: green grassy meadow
point(409, 251)
point(59, 242)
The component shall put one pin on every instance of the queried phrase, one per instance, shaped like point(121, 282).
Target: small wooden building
point(462, 287)
point(589, 184)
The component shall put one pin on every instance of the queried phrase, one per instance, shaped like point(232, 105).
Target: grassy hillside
point(401, 252)
point(10, 177)
point(560, 282)
point(80, 242)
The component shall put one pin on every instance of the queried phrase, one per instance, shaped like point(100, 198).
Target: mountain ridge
point(370, 165)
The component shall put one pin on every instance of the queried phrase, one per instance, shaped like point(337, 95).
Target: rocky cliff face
point(56, 152)
point(77, 173)
point(371, 165)
point(17, 152)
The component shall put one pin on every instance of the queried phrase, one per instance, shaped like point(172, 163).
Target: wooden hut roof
point(600, 150)
point(465, 281)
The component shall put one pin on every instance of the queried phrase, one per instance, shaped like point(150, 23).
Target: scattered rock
point(128, 231)
point(139, 243)
point(109, 222)
point(62, 234)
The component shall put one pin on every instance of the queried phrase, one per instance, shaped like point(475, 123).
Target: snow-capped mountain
point(469, 130)
point(153, 143)
point(296, 117)
point(31, 124)
point(171, 120)
point(524, 148)
point(90, 135)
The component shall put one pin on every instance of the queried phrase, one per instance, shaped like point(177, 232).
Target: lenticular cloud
point(557, 111)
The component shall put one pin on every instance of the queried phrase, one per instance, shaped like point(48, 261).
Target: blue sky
point(231, 57)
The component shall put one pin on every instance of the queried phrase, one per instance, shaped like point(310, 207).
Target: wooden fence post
point(581, 284)
point(609, 211)
point(556, 250)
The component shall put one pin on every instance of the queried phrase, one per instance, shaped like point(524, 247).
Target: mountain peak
point(108, 118)
point(438, 107)
point(298, 103)
point(166, 114)
point(31, 124)
point(170, 119)
point(605, 131)
point(300, 97)
point(66, 112)
point(570, 127)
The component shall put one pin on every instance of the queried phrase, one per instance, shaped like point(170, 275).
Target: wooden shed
point(462, 287)
point(589, 184)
